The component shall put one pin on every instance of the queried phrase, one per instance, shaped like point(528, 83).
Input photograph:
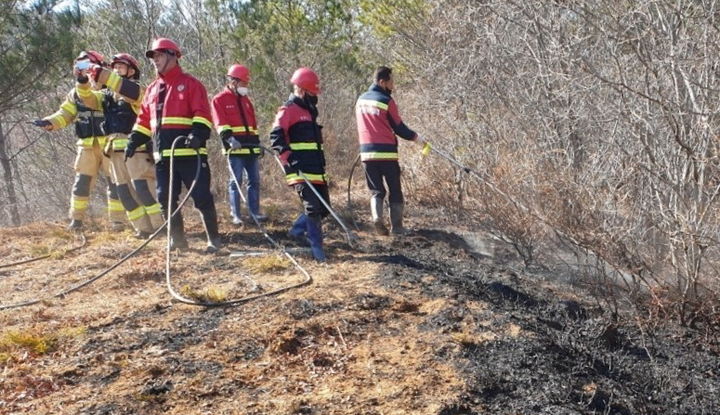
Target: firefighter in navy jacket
point(234, 118)
point(296, 137)
point(378, 122)
point(175, 105)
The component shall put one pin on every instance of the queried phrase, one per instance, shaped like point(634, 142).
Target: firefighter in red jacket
point(176, 104)
point(297, 138)
point(234, 118)
point(91, 140)
point(378, 122)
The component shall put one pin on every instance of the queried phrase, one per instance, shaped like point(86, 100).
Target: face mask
point(311, 99)
point(242, 90)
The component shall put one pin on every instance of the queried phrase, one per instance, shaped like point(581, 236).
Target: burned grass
point(416, 325)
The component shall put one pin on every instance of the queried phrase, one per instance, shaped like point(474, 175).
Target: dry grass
point(266, 264)
point(210, 295)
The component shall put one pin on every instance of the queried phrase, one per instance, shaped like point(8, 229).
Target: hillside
point(429, 323)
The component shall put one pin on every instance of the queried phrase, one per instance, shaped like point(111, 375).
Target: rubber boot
point(75, 225)
point(315, 237)
point(298, 229)
point(396, 218)
point(177, 233)
point(209, 218)
point(376, 209)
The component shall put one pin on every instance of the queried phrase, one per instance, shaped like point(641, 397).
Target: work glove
point(94, 72)
point(193, 142)
point(44, 124)
point(225, 138)
point(426, 145)
point(234, 143)
point(129, 151)
point(293, 163)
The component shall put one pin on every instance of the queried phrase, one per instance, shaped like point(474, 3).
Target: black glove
point(41, 123)
point(293, 162)
point(225, 138)
point(129, 151)
point(193, 142)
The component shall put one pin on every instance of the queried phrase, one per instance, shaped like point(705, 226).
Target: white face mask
point(242, 90)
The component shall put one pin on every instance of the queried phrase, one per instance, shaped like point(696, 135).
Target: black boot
point(209, 218)
point(177, 233)
point(75, 225)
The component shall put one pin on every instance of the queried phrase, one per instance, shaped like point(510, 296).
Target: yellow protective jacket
point(88, 120)
point(120, 103)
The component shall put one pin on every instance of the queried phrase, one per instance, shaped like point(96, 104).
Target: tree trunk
point(11, 199)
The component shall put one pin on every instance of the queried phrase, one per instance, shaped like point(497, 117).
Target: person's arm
point(201, 115)
point(397, 124)
point(279, 137)
point(141, 131)
point(128, 88)
point(222, 126)
point(91, 99)
point(65, 115)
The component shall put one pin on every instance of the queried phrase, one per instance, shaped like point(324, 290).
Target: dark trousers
point(388, 171)
point(184, 169)
point(312, 205)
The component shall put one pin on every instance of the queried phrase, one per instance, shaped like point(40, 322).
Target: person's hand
point(94, 72)
point(44, 124)
point(129, 152)
point(193, 142)
point(292, 162)
point(234, 143)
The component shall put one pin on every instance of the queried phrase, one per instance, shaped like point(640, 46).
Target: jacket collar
point(304, 105)
point(172, 74)
point(378, 88)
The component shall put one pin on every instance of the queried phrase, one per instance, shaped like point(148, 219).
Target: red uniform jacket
point(235, 113)
point(185, 111)
point(378, 121)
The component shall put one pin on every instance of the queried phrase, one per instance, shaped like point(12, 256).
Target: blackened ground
point(570, 357)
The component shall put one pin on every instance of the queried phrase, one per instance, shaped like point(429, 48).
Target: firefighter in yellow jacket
point(91, 139)
point(135, 179)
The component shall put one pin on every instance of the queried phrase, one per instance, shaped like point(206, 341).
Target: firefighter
point(297, 138)
point(234, 118)
point(135, 180)
point(378, 123)
point(91, 139)
point(175, 105)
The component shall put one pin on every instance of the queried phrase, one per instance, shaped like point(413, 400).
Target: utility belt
point(88, 142)
point(117, 142)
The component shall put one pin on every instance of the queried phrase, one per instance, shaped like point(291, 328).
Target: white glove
point(234, 143)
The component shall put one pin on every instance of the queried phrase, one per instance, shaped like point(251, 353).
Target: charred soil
point(418, 324)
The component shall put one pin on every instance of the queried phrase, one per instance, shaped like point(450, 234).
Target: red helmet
point(306, 79)
point(128, 60)
point(163, 44)
point(91, 55)
point(240, 72)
